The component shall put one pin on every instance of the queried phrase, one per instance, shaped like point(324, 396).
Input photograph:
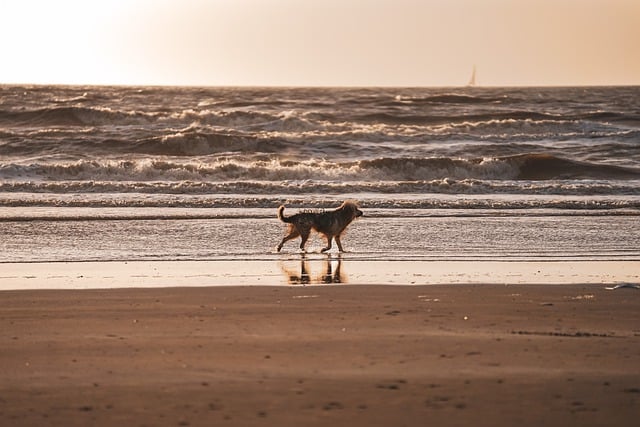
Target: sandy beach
point(321, 355)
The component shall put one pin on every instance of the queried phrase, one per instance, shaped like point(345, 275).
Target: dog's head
point(351, 209)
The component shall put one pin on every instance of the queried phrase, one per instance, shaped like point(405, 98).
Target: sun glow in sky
point(320, 43)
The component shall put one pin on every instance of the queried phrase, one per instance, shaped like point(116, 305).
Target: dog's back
point(303, 217)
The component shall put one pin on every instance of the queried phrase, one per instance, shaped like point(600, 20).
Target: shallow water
point(81, 234)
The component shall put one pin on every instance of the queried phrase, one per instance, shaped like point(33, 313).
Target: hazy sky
point(320, 42)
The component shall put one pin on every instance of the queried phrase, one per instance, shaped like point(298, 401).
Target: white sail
point(472, 80)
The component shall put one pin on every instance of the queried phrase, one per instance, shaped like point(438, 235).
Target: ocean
point(196, 174)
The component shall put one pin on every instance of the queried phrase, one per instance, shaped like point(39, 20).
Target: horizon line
point(297, 86)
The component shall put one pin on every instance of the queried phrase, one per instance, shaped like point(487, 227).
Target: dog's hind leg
point(304, 234)
point(292, 235)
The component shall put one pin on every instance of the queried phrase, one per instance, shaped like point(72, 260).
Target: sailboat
point(472, 80)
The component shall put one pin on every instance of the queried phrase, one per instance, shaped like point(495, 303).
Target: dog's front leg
point(339, 244)
point(329, 238)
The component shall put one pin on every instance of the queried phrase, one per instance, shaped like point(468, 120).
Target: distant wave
point(302, 120)
point(106, 116)
point(449, 98)
point(483, 139)
point(195, 142)
point(73, 116)
point(505, 116)
point(42, 117)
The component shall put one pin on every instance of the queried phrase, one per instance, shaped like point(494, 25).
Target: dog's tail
point(281, 216)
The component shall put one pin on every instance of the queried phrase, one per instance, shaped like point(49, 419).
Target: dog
point(331, 224)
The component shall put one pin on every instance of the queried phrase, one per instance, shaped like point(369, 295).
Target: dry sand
point(322, 355)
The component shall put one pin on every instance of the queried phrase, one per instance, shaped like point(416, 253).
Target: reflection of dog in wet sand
point(304, 276)
point(331, 224)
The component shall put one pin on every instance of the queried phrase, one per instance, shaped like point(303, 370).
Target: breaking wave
point(529, 167)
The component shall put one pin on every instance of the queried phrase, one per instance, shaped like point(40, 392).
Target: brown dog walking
point(331, 224)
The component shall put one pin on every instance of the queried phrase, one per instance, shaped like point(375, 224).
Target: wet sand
point(311, 269)
point(358, 355)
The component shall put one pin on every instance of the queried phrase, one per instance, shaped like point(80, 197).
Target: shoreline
point(312, 269)
point(365, 355)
